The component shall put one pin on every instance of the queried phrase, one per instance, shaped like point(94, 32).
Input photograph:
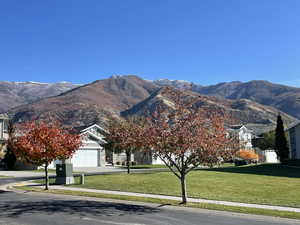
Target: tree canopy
point(40, 143)
point(188, 136)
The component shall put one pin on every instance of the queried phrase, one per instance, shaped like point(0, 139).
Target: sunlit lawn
point(265, 184)
point(41, 170)
point(145, 166)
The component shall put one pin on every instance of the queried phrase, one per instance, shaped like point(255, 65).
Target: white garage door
point(85, 158)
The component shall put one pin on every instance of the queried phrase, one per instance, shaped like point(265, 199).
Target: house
point(244, 135)
point(147, 158)
point(267, 155)
point(3, 128)
point(91, 153)
point(293, 133)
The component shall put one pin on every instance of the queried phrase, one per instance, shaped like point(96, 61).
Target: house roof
point(92, 126)
point(100, 139)
point(87, 131)
point(4, 116)
point(82, 129)
point(235, 127)
point(238, 127)
point(295, 124)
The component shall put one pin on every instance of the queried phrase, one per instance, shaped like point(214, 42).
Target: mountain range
point(87, 104)
point(281, 97)
point(13, 94)
point(255, 103)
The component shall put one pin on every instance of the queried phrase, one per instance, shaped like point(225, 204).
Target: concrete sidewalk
point(193, 200)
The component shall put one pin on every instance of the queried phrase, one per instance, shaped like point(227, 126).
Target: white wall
point(245, 137)
point(1, 129)
point(271, 156)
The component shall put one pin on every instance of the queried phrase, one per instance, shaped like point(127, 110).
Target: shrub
point(10, 159)
point(247, 154)
point(240, 162)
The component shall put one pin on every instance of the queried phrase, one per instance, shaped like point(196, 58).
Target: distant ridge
point(77, 105)
point(281, 97)
point(256, 116)
point(13, 94)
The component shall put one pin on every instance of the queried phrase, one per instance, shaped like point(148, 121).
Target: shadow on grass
point(78, 207)
point(263, 169)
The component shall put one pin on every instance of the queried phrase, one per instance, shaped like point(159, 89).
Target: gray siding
point(294, 142)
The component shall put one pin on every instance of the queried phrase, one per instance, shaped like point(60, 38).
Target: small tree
point(187, 137)
point(124, 135)
point(267, 141)
point(40, 143)
point(281, 145)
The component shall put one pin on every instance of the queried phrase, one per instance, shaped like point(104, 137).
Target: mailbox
point(64, 170)
point(64, 173)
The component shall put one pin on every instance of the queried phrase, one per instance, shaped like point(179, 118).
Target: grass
point(43, 170)
point(262, 184)
point(145, 167)
point(266, 212)
point(1, 176)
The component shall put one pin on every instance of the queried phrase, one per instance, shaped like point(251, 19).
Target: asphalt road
point(42, 209)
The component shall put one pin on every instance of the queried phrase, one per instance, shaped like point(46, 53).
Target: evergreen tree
point(281, 145)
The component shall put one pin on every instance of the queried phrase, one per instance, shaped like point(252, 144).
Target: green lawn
point(145, 167)
point(265, 184)
point(43, 170)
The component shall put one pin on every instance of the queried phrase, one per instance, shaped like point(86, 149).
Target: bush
point(240, 162)
point(131, 163)
point(118, 163)
point(9, 160)
point(294, 162)
point(247, 155)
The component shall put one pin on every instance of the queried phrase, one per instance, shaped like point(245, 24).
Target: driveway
point(78, 170)
point(21, 173)
point(86, 170)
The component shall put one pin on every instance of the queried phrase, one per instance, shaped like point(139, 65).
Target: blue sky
point(207, 41)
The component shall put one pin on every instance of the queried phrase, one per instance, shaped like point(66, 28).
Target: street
point(46, 209)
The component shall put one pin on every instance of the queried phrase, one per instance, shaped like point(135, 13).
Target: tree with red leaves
point(124, 135)
point(187, 136)
point(40, 143)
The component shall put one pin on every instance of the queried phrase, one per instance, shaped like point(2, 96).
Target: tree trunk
point(183, 189)
point(46, 177)
point(128, 161)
